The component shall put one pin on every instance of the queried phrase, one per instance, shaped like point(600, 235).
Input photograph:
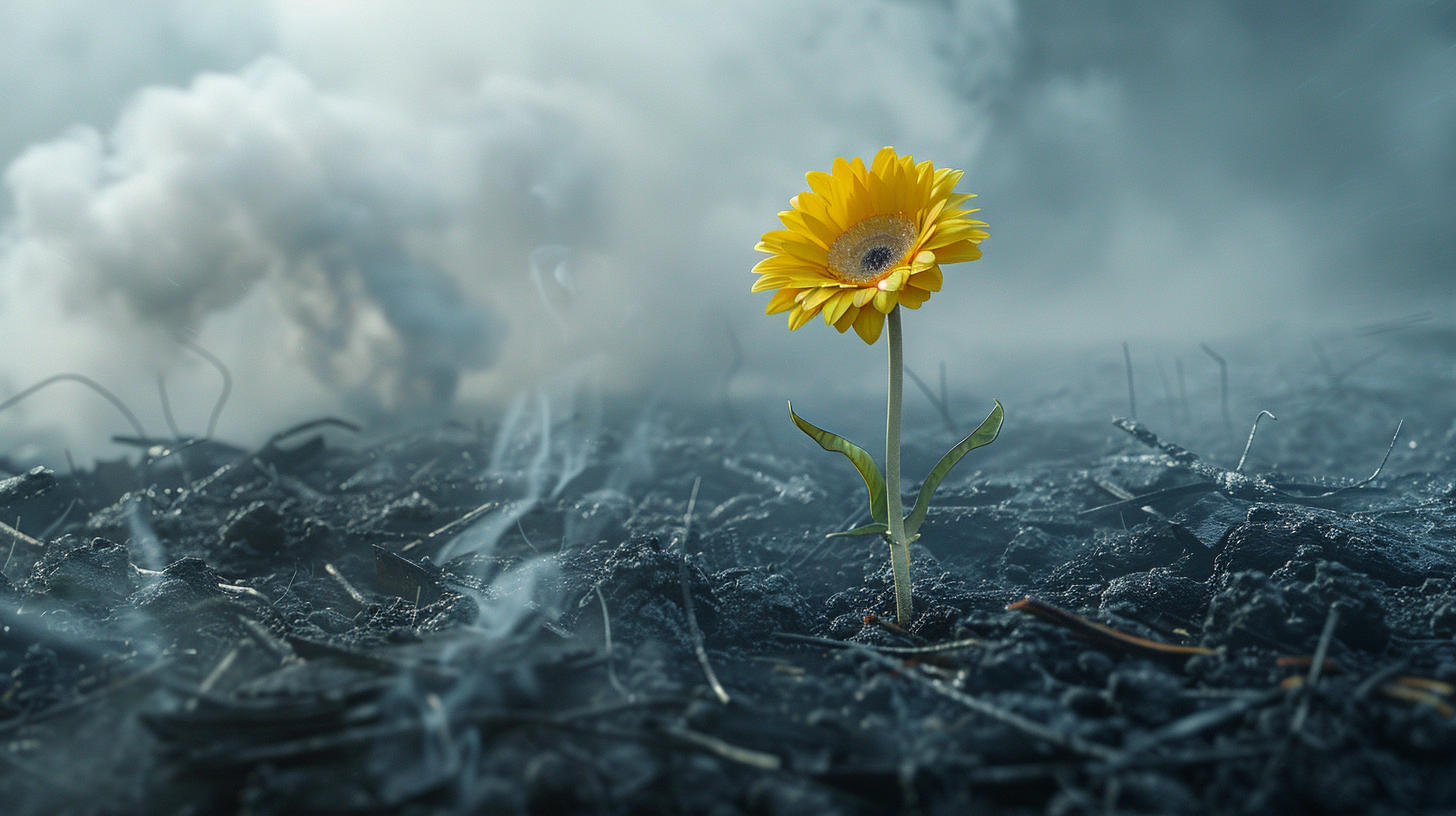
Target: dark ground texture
point(497, 620)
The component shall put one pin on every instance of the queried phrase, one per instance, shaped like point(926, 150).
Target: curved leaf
point(861, 460)
point(868, 529)
point(984, 435)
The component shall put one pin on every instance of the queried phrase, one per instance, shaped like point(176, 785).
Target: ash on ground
point(567, 615)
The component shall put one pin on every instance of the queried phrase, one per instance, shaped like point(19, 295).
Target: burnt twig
point(894, 629)
point(1140, 502)
point(938, 402)
point(1240, 467)
point(212, 677)
point(355, 595)
point(1223, 386)
point(334, 422)
point(270, 642)
point(227, 382)
point(452, 526)
point(692, 616)
point(697, 634)
point(1123, 495)
point(89, 383)
point(1362, 483)
point(19, 536)
point(1102, 633)
point(1230, 483)
point(270, 447)
point(726, 750)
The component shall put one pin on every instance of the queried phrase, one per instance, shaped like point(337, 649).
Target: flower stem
point(899, 547)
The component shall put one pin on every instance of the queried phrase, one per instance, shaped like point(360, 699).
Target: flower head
point(865, 241)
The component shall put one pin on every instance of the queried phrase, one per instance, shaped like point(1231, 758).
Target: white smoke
point(403, 209)
point(200, 195)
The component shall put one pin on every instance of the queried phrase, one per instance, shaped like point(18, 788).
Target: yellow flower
point(865, 241)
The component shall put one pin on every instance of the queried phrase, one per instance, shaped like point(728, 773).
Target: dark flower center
point(871, 248)
point(878, 258)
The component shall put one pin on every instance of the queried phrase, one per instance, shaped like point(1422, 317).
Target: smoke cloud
point(200, 195)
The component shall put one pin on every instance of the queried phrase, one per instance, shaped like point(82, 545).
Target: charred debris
point(564, 615)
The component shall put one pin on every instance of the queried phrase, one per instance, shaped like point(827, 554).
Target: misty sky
point(389, 210)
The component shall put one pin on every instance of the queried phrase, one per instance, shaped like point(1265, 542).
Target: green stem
point(899, 547)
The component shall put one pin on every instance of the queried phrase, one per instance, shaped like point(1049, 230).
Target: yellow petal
point(775, 238)
point(820, 182)
point(816, 298)
point(925, 181)
point(782, 301)
point(816, 207)
point(945, 182)
point(885, 302)
point(801, 278)
point(958, 253)
point(884, 192)
point(811, 253)
point(882, 159)
point(893, 281)
point(837, 306)
point(923, 261)
point(794, 220)
point(911, 298)
point(804, 280)
point(947, 234)
point(822, 234)
point(797, 318)
point(928, 217)
point(846, 320)
point(907, 200)
point(877, 194)
point(929, 279)
point(865, 295)
point(868, 325)
point(782, 264)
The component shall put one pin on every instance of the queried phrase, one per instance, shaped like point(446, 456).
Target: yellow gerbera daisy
point(866, 241)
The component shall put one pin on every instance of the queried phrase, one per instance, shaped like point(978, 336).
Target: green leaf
point(984, 435)
point(868, 529)
point(857, 456)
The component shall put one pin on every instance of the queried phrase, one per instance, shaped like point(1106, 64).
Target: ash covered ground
point(635, 609)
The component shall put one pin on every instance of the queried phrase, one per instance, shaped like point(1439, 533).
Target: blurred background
point(412, 212)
